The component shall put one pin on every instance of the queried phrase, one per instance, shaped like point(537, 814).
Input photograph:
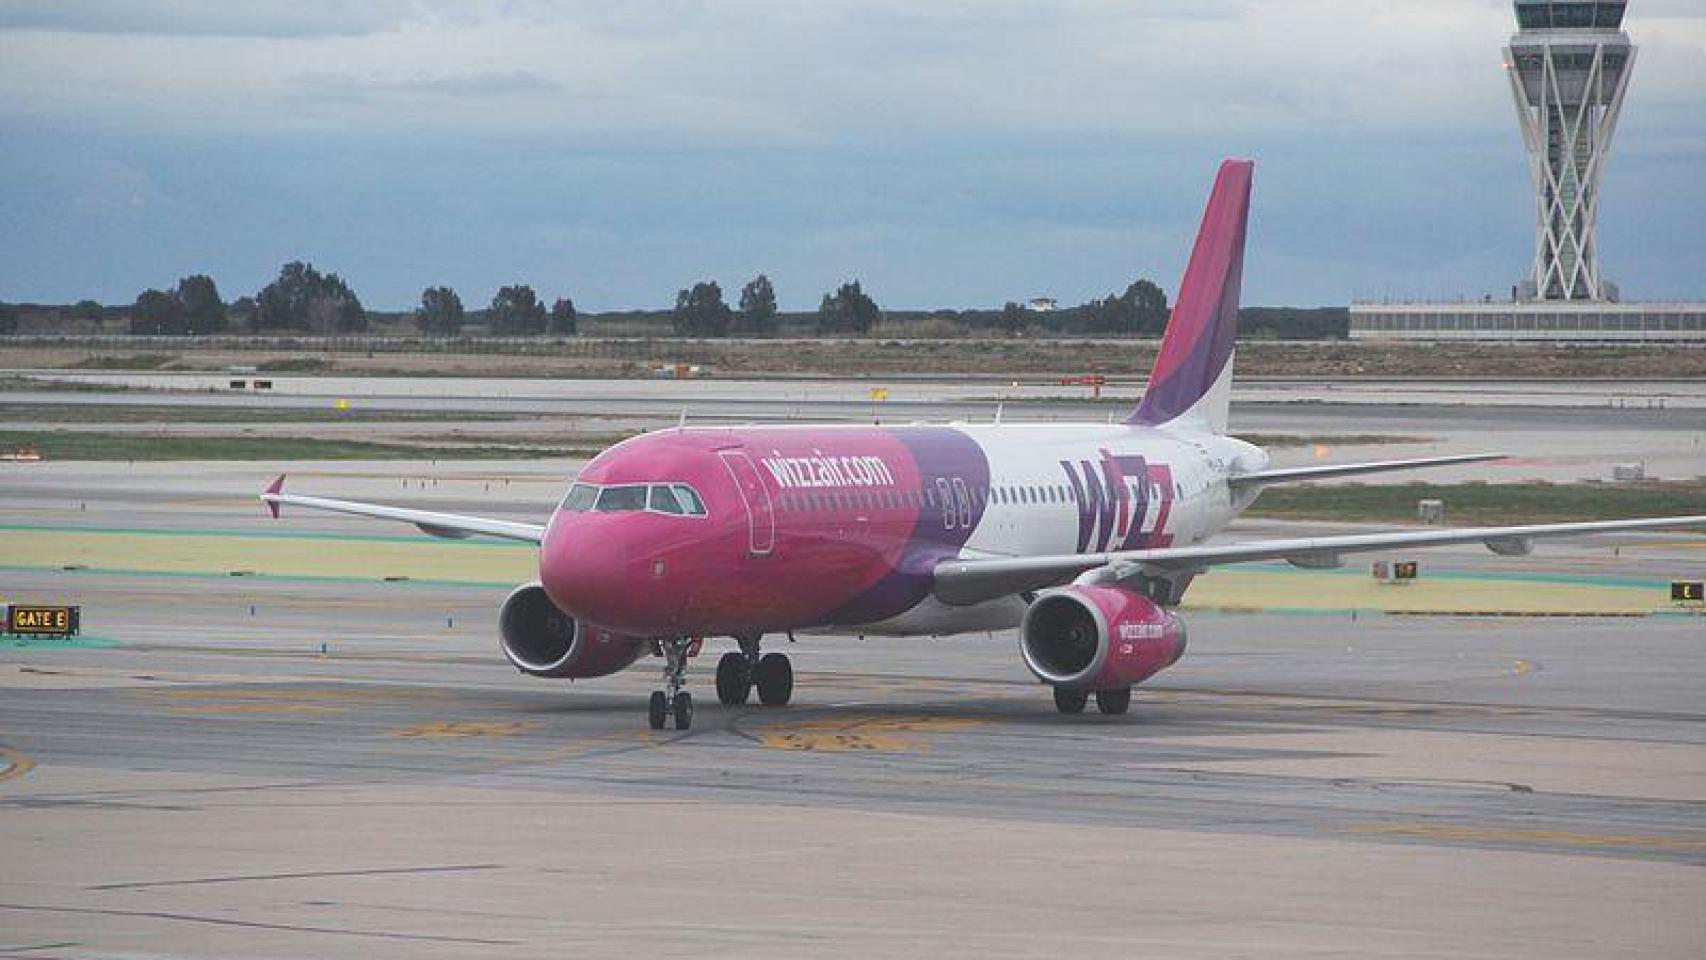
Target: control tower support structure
point(1569, 64)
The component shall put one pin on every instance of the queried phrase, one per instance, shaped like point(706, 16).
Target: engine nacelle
point(543, 641)
point(1098, 638)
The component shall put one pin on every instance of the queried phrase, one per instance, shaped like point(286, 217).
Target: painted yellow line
point(452, 729)
point(1536, 837)
point(856, 734)
point(16, 764)
point(253, 708)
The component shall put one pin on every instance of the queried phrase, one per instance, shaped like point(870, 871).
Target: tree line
point(304, 300)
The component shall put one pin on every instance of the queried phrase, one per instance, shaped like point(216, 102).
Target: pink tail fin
point(1193, 371)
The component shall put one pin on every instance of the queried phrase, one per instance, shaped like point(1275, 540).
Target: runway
point(317, 760)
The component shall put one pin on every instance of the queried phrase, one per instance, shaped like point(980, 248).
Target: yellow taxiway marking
point(296, 694)
point(16, 764)
point(448, 729)
point(851, 734)
point(1545, 837)
point(228, 708)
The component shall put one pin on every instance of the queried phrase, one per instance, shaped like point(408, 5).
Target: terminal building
point(1569, 65)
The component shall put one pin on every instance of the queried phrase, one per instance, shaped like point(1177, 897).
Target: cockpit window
point(664, 500)
point(689, 498)
point(580, 499)
point(673, 499)
point(622, 499)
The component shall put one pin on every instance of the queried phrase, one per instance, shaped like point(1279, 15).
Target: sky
point(948, 153)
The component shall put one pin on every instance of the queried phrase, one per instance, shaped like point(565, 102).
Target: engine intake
point(1095, 637)
point(543, 641)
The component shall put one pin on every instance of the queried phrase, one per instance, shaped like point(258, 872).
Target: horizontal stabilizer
point(1293, 474)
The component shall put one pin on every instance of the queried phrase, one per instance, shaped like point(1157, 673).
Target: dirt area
point(994, 358)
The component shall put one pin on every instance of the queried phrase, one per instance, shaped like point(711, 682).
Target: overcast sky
point(950, 153)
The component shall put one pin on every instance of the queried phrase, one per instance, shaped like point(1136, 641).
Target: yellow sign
point(1688, 591)
point(879, 393)
point(42, 621)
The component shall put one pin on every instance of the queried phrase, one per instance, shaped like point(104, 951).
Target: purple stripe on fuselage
point(938, 453)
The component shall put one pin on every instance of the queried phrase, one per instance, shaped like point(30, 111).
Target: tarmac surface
point(295, 738)
point(284, 739)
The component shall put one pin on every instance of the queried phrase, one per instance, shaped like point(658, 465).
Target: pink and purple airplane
point(1083, 536)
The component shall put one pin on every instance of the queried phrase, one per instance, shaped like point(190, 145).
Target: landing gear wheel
point(775, 678)
point(683, 710)
point(734, 680)
point(657, 710)
point(1068, 700)
point(1114, 701)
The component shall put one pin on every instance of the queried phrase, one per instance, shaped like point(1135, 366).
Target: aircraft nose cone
point(584, 572)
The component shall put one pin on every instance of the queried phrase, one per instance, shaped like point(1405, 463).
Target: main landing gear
point(673, 701)
point(1070, 700)
point(738, 673)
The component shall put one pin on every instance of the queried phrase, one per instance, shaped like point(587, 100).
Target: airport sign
point(43, 621)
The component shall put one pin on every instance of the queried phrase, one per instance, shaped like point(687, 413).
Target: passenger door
point(760, 513)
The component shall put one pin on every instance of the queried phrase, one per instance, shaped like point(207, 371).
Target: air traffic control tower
point(1568, 65)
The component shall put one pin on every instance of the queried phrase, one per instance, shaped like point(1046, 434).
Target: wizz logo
point(1115, 496)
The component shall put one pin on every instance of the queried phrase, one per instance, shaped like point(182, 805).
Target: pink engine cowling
point(1099, 638)
point(543, 641)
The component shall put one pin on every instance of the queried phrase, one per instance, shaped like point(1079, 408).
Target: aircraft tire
point(734, 680)
point(657, 709)
point(1070, 701)
point(683, 710)
point(1114, 701)
point(775, 679)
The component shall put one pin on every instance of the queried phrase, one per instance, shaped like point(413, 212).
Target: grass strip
point(1484, 503)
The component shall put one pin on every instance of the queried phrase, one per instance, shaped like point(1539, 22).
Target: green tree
point(440, 312)
point(86, 310)
point(8, 319)
point(243, 309)
point(1013, 318)
point(517, 312)
point(302, 298)
point(204, 311)
point(849, 310)
point(157, 313)
point(1148, 304)
point(758, 306)
point(701, 312)
point(565, 321)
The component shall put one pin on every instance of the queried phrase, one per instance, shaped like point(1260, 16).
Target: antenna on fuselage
point(682, 423)
point(998, 408)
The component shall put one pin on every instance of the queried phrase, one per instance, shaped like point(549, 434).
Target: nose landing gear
point(673, 701)
point(738, 673)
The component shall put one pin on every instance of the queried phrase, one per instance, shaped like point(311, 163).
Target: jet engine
point(1099, 638)
point(543, 641)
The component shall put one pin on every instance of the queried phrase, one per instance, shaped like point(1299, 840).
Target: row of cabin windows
point(927, 497)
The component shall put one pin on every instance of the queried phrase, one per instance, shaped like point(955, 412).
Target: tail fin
point(1193, 372)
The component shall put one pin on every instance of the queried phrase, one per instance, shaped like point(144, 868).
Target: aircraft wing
point(1283, 475)
point(967, 581)
point(449, 525)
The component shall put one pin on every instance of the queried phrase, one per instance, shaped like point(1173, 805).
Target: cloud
point(473, 86)
point(204, 18)
point(774, 72)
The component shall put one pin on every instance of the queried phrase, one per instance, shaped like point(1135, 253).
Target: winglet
point(271, 493)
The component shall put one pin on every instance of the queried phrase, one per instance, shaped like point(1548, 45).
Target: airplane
point(1083, 536)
